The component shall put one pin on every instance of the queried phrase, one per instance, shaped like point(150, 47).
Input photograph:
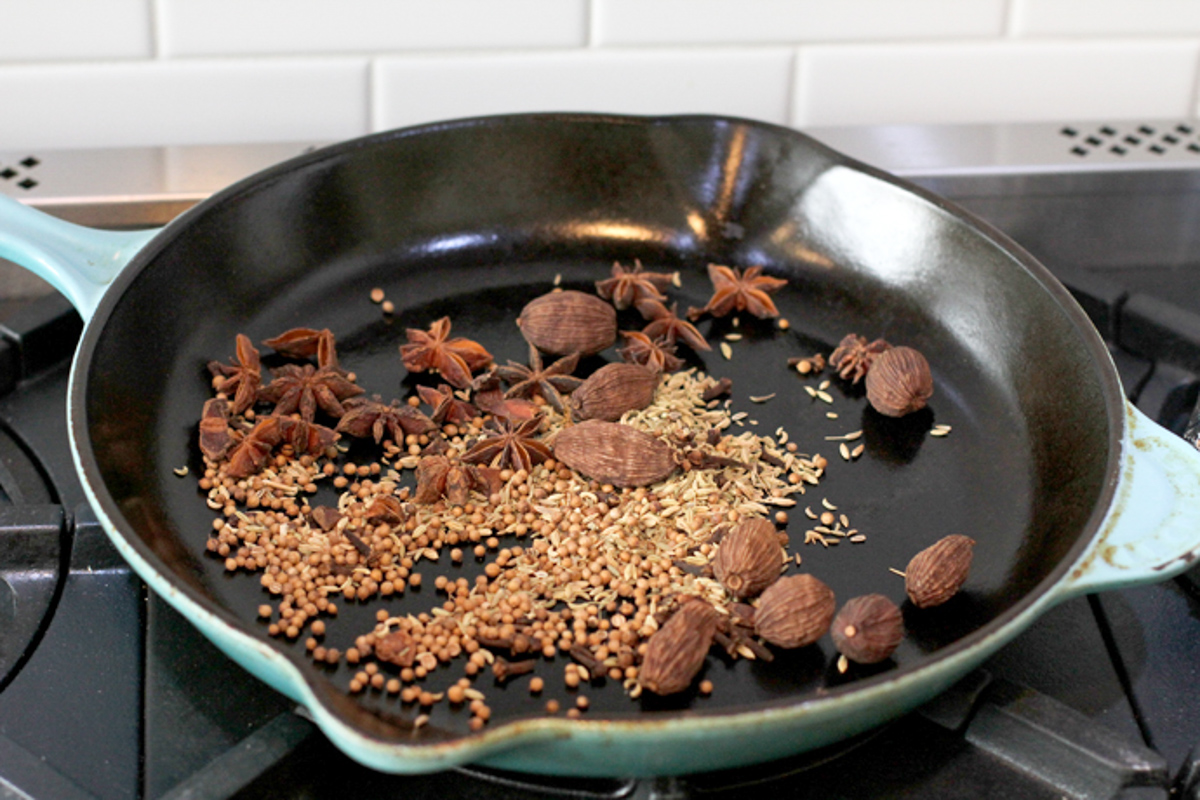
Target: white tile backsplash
point(749, 83)
point(71, 30)
point(666, 22)
point(193, 102)
point(130, 72)
point(238, 27)
point(1106, 17)
point(1013, 81)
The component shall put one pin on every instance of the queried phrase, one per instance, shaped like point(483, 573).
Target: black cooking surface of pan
point(478, 220)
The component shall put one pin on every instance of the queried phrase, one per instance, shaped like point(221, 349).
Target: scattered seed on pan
point(824, 396)
point(845, 437)
point(727, 351)
point(831, 415)
point(825, 502)
point(844, 520)
point(733, 337)
point(843, 664)
point(762, 398)
point(858, 538)
point(844, 450)
point(895, 571)
point(388, 307)
point(811, 391)
point(808, 512)
point(940, 430)
point(783, 324)
point(377, 295)
point(823, 385)
point(181, 471)
point(558, 279)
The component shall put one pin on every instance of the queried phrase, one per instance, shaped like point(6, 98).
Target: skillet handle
point(1152, 529)
point(77, 261)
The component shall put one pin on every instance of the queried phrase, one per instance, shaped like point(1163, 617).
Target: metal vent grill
point(20, 173)
point(1178, 139)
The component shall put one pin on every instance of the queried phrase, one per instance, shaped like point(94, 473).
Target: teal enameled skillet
point(1064, 486)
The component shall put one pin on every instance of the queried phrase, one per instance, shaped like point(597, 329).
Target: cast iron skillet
point(1064, 488)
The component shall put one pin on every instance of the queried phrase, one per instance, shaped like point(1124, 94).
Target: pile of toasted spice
point(584, 568)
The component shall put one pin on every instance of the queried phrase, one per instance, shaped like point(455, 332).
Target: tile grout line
point(592, 9)
point(154, 10)
point(372, 89)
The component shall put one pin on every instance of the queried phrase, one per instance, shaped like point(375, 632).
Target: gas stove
point(106, 692)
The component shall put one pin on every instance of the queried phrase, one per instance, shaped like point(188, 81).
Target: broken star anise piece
point(242, 379)
point(455, 359)
point(853, 356)
point(385, 508)
point(666, 324)
point(374, 418)
point(551, 382)
point(628, 287)
point(439, 476)
point(304, 388)
point(735, 290)
point(215, 436)
point(511, 444)
point(657, 354)
point(446, 407)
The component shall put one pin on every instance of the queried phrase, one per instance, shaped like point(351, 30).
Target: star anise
point(252, 453)
point(446, 406)
point(658, 354)
point(550, 382)
point(853, 356)
point(455, 359)
point(241, 379)
point(306, 438)
point(489, 398)
point(510, 444)
point(734, 290)
point(666, 324)
point(374, 418)
point(304, 388)
point(305, 343)
point(215, 435)
point(439, 476)
point(626, 287)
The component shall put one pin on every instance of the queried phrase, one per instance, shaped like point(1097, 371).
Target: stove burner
point(31, 555)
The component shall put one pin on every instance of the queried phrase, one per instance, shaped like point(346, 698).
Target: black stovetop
point(106, 692)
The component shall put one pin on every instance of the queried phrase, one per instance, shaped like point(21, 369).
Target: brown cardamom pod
point(613, 453)
point(749, 558)
point(868, 629)
point(676, 651)
point(614, 389)
point(569, 322)
point(899, 382)
point(794, 611)
point(937, 573)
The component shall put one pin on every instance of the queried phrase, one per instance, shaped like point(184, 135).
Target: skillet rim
point(912, 675)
